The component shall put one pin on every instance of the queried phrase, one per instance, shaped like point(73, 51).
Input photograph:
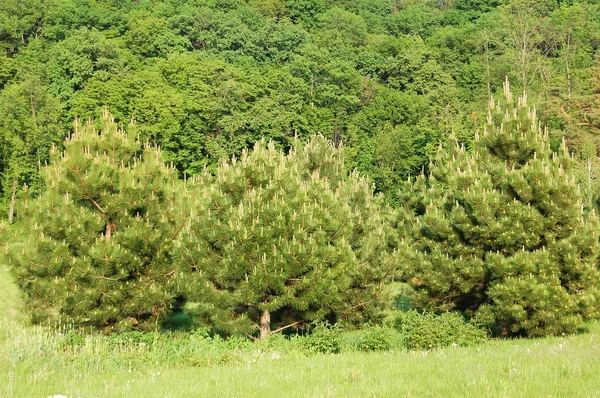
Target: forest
point(204, 79)
point(284, 162)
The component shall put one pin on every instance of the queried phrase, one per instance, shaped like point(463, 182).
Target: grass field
point(35, 362)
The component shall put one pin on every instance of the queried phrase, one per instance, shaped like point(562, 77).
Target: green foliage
point(305, 12)
point(205, 79)
point(341, 28)
point(418, 20)
point(324, 338)
point(29, 127)
point(85, 54)
point(388, 139)
point(20, 22)
point(12, 311)
point(269, 8)
point(501, 232)
point(426, 331)
point(332, 58)
point(374, 338)
point(151, 37)
point(97, 251)
point(291, 237)
point(178, 320)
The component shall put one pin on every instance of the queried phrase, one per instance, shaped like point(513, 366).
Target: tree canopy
point(279, 240)
point(206, 79)
point(96, 246)
point(388, 81)
point(501, 233)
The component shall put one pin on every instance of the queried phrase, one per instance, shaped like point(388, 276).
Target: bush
point(374, 338)
point(72, 339)
point(422, 331)
point(279, 342)
point(325, 339)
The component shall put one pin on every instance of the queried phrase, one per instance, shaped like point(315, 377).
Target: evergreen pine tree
point(99, 239)
point(278, 241)
point(501, 233)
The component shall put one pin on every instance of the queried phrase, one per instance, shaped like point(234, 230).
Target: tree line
point(205, 79)
point(302, 227)
point(280, 239)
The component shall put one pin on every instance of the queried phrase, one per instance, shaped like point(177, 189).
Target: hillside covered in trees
point(204, 79)
point(159, 199)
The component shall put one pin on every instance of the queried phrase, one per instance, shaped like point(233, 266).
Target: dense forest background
point(391, 79)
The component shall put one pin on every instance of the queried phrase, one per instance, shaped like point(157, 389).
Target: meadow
point(42, 362)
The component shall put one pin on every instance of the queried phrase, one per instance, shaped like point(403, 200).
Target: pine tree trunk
point(110, 227)
point(265, 324)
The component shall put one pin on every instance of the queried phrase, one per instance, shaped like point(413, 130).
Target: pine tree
point(98, 250)
point(501, 233)
point(277, 241)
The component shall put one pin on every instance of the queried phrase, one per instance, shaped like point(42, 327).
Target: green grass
point(37, 362)
point(11, 309)
point(556, 367)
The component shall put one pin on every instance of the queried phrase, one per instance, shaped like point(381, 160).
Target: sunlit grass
point(11, 309)
point(42, 362)
point(557, 367)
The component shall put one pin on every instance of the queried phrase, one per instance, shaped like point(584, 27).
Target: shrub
point(73, 339)
point(374, 338)
point(325, 339)
point(428, 330)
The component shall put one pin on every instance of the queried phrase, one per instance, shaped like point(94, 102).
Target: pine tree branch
point(251, 337)
point(105, 278)
point(96, 204)
point(285, 327)
point(192, 264)
point(170, 273)
point(340, 229)
point(176, 231)
point(266, 273)
point(381, 290)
